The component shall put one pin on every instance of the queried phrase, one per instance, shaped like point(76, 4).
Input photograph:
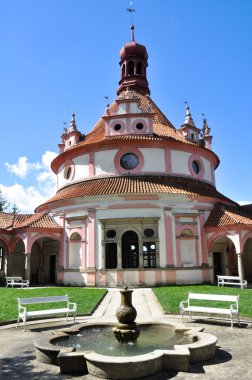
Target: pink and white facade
point(136, 201)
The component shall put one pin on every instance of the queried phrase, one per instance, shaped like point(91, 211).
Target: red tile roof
point(223, 215)
point(15, 221)
point(135, 184)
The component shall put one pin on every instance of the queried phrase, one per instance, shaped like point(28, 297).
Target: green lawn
point(86, 299)
point(170, 296)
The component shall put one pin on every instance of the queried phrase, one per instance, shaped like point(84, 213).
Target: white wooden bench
point(23, 313)
point(231, 309)
point(231, 280)
point(16, 281)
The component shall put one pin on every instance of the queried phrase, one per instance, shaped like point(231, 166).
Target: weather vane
point(131, 10)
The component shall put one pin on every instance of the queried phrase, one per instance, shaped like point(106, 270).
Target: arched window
point(139, 68)
point(130, 250)
point(131, 68)
point(75, 236)
point(123, 70)
point(186, 233)
point(75, 256)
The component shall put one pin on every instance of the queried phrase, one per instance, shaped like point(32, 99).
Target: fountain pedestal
point(126, 330)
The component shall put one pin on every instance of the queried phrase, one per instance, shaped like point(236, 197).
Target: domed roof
point(133, 49)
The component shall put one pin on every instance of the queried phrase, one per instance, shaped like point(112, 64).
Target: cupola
point(133, 67)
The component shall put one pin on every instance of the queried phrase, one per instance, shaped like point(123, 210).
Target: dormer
point(129, 118)
point(70, 136)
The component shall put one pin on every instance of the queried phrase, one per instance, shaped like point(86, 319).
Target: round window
point(196, 167)
point(117, 127)
point(139, 126)
point(68, 172)
point(111, 234)
point(129, 161)
point(148, 232)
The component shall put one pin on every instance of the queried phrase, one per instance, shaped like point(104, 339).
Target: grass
point(85, 298)
point(170, 296)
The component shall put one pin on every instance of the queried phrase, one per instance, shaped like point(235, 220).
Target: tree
point(15, 209)
point(4, 204)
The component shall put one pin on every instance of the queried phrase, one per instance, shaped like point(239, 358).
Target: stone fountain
point(91, 347)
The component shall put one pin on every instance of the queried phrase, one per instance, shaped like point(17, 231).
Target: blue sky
point(59, 55)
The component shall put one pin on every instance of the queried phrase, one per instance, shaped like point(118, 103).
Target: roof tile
point(134, 184)
point(223, 215)
point(16, 221)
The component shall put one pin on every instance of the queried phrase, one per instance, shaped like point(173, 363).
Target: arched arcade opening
point(224, 258)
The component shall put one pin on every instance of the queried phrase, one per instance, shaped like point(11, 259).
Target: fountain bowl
point(200, 346)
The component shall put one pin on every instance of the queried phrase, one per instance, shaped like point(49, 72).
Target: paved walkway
point(233, 357)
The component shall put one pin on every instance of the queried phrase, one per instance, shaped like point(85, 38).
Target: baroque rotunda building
point(136, 202)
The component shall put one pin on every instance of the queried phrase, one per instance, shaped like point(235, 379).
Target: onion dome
point(133, 49)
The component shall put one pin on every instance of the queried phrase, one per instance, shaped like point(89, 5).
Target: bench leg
point(232, 321)
point(238, 319)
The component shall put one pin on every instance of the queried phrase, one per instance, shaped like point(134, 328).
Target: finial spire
point(188, 119)
point(72, 126)
point(107, 105)
point(206, 130)
point(131, 10)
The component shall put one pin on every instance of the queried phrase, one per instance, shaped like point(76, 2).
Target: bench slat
point(229, 278)
point(47, 312)
point(212, 297)
point(34, 300)
point(211, 310)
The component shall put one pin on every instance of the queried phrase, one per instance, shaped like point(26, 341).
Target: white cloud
point(41, 188)
point(22, 168)
point(242, 203)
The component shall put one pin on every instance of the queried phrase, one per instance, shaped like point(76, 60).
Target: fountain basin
point(199, 346)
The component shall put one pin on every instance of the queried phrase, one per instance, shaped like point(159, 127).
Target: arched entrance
point(247, 260)
point(17, 261)
point(224, 258)
point(43, 260)
point(130, 250)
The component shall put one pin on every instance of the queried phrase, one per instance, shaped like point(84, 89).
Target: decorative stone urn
point(126, 330)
